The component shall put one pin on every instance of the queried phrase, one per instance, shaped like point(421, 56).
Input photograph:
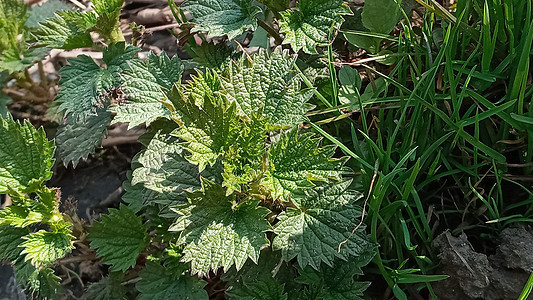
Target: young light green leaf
point(26, 156)
point(68, 30)
point(78, 138)
point(298, 161)
point(119, 238)
point(222, 17)
point(207, 130)
point(163, 167)
point(268, 84)
point(108, 19)
point(109, 287)
point(158, 282)
point(13, 15)
point(324, 219)
point(142, 86)
point(218, 232)
point(43, 247)
point(309, 25)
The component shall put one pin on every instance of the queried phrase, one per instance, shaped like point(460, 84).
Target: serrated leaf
point(84, 84)
point(159, 283)
point(268, 84)
point(13, 15)
point(142, 85)
point(26, 156)
point(163, 167)
point(207, 130)
point(78, 138)
point(10, 239)
point(119, 238)
point(297, 162)
point(47, 10)
point(22, 60)
point(108, 18)
point(108, 288)
point(337, 282)
point(43, 247)
point(258, 281)
point(309, 25)
point(380, 16)
point(217, 232)
point(44, 284)
point(68, 30)
point(324, 218)
point(210, 55)
point(222, 17)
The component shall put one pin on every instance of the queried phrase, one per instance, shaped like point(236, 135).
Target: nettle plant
point(228, 181)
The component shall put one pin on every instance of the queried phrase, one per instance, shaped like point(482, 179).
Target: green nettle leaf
point(43, 247)
point(68, 30)
point(22, 60)
point(10, 239)
point(26, 156)
point(158, 282)
point(143, 84)
point(84, 85)
point(217, 231)
point(41, 12)
point(120, 238)
point(258, 281)
point(108, 16)
point(309, 25)
point(44, 284)
point(268, 84)
point(298, 161)
point(109, 287)
point(163, 167)
point(78, 138)
point(210, 55)
point(13, 15)
point(207, 130)
point(222, 17)
point(337, 282)
point(380, 16)
point(324, 218)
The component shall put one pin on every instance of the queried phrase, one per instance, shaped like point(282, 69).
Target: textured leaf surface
point(107, 288)
point(43, 247)
point(142, 86)
point(26, 156)
point(68, 30)
point(207, 130)
point(108, 17)
point(120, 237)
point(44, 284)
point(159, 283)
point(84, 84)
point(163, 167)
point(268, 85)
point(325, 217)
point(78, 138)
point(337, 282)
point(13, 15)
point(297, 161)
point(10, 240)
point(309, 25)
point(222, 17)
point(217, 232)
point(210, 55)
